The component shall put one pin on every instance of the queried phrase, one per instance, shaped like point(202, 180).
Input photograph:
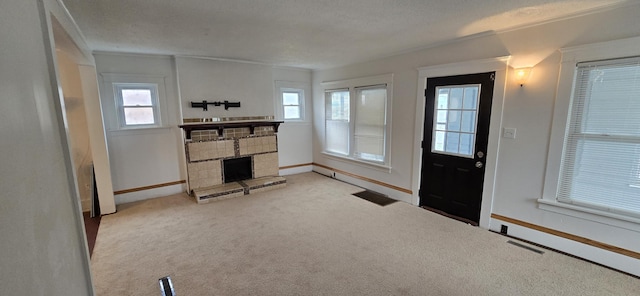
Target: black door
point(454, 146)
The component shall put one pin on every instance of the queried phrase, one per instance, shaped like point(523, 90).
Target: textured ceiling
point(311, 34)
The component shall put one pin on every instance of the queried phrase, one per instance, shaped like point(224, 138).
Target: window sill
point(362, 163)
point(590, 214)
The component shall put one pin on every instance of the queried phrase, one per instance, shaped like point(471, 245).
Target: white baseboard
point(150, 193)
point(296, 170)
point(601, 256)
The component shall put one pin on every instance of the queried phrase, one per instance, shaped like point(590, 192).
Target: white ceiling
point(311, 34)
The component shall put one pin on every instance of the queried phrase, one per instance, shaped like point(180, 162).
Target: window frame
point(300, 105)
point(559, 130)
point(120, 107)
point(353, 85)
point(113, 116)
point(301, 88)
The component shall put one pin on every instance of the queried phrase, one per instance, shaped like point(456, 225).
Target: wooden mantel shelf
point(220, 126)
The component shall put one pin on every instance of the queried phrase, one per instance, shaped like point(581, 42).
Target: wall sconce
point(522, 74)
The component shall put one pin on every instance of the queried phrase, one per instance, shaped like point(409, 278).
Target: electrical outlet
point(503, 229)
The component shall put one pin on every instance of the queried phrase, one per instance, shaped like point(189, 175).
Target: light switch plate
point(509, 133)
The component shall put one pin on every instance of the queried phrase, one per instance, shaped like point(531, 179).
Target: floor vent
point(375, 197)
point(166, 287)
point(525, 247)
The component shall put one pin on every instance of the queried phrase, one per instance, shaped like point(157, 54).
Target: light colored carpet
point(314, 238)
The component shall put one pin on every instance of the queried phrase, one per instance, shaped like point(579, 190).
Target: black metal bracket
point(204, 104)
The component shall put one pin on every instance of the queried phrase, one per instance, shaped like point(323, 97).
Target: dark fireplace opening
point(237, 169)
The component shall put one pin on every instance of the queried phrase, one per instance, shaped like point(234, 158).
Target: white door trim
point(500, 66)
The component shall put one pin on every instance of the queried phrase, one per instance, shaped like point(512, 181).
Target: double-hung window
point(370, 123)
point(601, 158)
point(290, 101)
point(337, 121)
point(133, 102)
point(137, 104)
point(356, 119)
point(292, 104)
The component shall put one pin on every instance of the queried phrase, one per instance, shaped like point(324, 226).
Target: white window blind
point(337, 120)
point(601, 159)
point(370, 122)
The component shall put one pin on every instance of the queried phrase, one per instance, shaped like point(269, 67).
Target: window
point(356, 119)
point(290, 101)
point(601, 160)
point(137, 104)
point(370, 122)
point(292, 104)
point(133, 102)
point(337, 121)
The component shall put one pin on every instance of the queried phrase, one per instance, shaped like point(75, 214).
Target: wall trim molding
point(149, 187)
point(295, 166)
point(569, 236)
point(408, 191)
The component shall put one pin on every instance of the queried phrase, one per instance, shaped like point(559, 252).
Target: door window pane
point(441, 116)
point(439, 141)
point(455, 120)
point(443, 100)
point(455, 98)
point(468, 121)
point(453, 141)
point(470, 98)
point(466, 144)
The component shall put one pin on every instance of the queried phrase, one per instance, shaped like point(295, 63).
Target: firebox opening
point(237, 169)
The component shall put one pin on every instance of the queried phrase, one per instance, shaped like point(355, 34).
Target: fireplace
point(236, 169)
point(231, 158)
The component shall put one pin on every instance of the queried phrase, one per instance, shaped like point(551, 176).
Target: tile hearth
point(239, 188)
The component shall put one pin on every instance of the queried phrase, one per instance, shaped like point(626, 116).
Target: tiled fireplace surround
point(206, 152)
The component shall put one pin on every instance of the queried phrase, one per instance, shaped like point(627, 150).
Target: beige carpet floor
point(314, 238)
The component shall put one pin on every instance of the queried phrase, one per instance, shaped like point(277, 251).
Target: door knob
point(480, 154)
point(479, 164)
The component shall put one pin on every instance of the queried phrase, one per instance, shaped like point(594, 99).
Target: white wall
point(521, 161)
point(215, 80)
point(43, 245)
point(143, 157)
